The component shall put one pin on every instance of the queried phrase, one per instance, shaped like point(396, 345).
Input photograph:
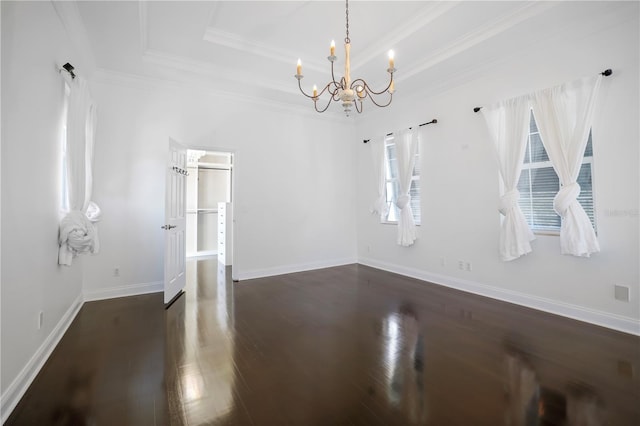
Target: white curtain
point(564, 114)
point(508, 123)
point(379, 206)
point(77, 232)
point(406, 150)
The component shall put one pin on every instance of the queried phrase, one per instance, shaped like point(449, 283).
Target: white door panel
point(175, 222)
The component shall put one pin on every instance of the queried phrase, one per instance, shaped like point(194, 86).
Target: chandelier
point(349, 92)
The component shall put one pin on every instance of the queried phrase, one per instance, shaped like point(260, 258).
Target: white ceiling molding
point(234, 41)
point(473, 38)
point(69, 15)
point(135, 81)
point(144, 25)
point(211, 71)
point(427, 15)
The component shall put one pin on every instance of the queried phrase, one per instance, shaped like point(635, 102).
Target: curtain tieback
point(565, 197)
point(508, 201)
point(403, 200)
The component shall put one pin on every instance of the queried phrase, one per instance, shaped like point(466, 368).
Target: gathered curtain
point(406, 150)
point(78, 233)
point(379, 205)
point(508, 123)
point(564, 115)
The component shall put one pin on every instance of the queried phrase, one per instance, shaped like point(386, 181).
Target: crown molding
point(212, 71)
point(473, 38)
point(140, 82)
point(143, 14)
point(234, 41)
point(72, 22)
point(420, 20)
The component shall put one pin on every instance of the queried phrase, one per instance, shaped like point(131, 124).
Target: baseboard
point(592, 316)
point(290, 269)
point(123, 291)
point(21, 383)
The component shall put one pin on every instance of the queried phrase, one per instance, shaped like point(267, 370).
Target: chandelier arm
point(333, 78)
point(326, 88)
point(358, 109)
point(380, 105)
point(315, 105)
point(381, 92)
point(302, 91)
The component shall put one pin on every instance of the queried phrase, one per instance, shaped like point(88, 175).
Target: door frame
point(234, 199)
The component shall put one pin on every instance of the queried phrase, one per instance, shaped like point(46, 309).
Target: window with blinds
point(392, 190)
point(539, 184)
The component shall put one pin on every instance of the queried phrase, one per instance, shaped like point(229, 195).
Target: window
point(64, 181)
point(539, 184)
point(391, 179)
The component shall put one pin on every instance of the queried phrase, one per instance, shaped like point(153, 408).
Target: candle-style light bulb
point(299, 67)
point(332, 49)
point(315, 91)
point(391, 59)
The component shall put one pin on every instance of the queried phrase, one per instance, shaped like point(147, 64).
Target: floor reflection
point(341, 346)
point(204, 359)
point(404, 361)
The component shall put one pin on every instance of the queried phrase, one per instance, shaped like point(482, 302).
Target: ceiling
point(250, 48)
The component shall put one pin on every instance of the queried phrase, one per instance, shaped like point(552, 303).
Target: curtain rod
point(68, 68)
point(434, 121)
point(605, 73)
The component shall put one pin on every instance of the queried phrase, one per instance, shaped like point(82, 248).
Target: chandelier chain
point(346, 39)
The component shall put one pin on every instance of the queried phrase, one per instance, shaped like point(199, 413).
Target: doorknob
point(167, 227)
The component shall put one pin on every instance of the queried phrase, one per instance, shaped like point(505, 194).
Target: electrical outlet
point(116, 271)
point(621, 293)
point(40, 319)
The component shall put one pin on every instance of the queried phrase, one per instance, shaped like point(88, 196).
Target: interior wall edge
point(591, 316)
point(293, 268)
point(16, 390)
point(123, 291)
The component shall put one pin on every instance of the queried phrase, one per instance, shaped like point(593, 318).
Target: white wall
point(293, 190)
point(34, 43)
point(460, 181)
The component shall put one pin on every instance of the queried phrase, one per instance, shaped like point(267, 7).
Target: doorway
point(209, 205)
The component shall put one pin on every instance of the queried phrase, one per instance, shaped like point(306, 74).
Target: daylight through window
point(539, 184)
point(391, 180)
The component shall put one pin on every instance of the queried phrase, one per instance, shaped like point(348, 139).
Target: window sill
point(393, 223)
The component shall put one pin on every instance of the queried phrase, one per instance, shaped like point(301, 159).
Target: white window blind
point(539, 184)
point(391, 179)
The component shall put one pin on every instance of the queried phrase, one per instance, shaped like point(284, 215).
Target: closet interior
point(209, 203)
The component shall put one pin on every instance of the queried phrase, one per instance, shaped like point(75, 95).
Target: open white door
point(175, 222)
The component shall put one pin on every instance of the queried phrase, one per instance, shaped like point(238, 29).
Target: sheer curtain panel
point(564, 115)
point(77, 232)
point(379, 206)
point(508, 123)
point(406, 150)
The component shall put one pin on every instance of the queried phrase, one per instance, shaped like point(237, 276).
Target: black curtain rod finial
point(607, 72)
point(365, 140)
point(476, 109)
point(69, 68)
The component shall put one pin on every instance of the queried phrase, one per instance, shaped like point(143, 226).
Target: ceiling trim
point(234, 41)
point(143, 16)
point(69, 15)
point(473, 38)
point(427, 15)
point(211, 71)
point(136, 81)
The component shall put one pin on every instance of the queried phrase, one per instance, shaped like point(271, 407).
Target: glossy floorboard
point(342, 346)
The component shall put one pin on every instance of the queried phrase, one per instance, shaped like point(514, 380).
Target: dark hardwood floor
point(349, 345)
